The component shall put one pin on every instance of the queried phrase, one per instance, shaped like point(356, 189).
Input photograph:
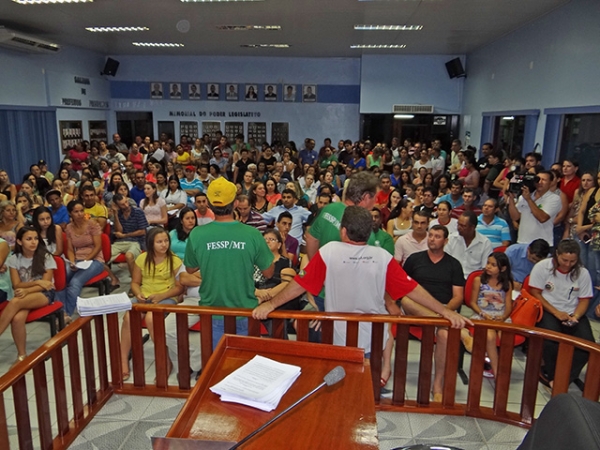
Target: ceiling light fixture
point(220, 1)
point(266, 45)
point(508, 118)
point(157, 44)
point(248, 27)
point(379, 46)
point(388, 27)
point(115, 29)
point(404, 116)
point(40, 2)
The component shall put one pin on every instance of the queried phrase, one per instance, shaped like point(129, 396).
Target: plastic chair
point(501, 249)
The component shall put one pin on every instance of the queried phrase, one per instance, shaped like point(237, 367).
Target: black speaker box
point(455, 68)
point(111, 67)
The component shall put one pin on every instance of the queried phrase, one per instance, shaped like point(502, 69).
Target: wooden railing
point(57, 429)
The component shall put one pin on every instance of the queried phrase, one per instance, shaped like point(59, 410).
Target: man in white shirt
point(415, 241)
point(536, 211)
point(470, 247)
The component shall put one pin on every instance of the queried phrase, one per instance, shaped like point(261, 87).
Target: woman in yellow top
point(153, 281)
point(183, 158)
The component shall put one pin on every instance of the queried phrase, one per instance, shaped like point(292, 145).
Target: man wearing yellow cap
point(226, 251)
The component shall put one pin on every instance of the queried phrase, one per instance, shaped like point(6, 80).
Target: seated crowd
point(181, 216)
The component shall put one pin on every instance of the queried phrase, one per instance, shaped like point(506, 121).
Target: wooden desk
point(341, 416)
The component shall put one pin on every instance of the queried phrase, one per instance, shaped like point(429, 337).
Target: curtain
point(26, 136)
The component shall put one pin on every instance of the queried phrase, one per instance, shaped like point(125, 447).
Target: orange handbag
point(527, 310)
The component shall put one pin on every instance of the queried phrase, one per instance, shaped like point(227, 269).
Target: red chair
point(102, 280)
point(501, 249)
point(526, 283)
point(53, 312)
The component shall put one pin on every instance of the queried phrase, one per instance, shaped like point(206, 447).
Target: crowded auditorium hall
point(402, 202)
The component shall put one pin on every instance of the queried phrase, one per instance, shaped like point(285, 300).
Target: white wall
point(552, 62)
point(413, 79)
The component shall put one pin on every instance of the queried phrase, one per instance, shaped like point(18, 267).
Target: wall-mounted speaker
point(455, 68)
point(111, 67)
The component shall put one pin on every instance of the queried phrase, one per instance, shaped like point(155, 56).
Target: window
point(509, 134)
point(580, 139)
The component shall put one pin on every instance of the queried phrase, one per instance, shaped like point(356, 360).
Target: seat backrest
point(60, 274)
point(106, 252)
point(64, 243)
point(501, 249)
point(469, 287)
point(526, 283)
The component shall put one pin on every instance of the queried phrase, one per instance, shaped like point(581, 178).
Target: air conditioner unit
point(19, 41)
point(413, 109)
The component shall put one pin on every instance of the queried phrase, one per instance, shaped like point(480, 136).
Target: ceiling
point(313, 28)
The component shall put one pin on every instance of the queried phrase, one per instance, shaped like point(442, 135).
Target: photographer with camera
point(536, 210)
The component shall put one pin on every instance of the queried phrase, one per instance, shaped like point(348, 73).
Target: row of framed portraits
point(234, 92)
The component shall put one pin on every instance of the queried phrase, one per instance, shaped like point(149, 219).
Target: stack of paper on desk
point(259, 383)
point(106, 304)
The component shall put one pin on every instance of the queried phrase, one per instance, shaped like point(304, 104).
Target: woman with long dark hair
point(154, 207)
point(50, 233)
point(257, 197)
point(179, 235)
point(31, 271)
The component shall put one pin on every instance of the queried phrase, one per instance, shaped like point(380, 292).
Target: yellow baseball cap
point(221, 192)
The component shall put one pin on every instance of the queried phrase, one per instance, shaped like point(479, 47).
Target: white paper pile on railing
point(259, 383)
point(106, 304)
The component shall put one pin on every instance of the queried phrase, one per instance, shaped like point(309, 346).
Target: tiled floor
point(129, 422)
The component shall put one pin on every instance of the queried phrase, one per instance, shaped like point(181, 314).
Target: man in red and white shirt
point(358, 278)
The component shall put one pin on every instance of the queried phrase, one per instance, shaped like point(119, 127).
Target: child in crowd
point(493, 290)
point(50, 233)
point(154, 282)
point(31, 272)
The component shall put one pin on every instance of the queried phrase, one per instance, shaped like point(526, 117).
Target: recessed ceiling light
point(379, 46)
point(388, 27)
point(219, 1)
point(39, 2)
point(248, 27)
point(157, 44)
point(115, 29)
point(266, 45)
point(404, 116)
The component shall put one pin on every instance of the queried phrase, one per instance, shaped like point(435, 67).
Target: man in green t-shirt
point(382, 238)
point(361, 191)
point(225, 251)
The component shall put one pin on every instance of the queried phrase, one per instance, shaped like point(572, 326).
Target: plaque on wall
point(190, 129)
point(71, 134)
point(280, 131)
point(97, 130)
point(211, 128)
point(257, 131)
point(232, 129)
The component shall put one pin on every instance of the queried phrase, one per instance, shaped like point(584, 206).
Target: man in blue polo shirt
point(60, 215)
point(137, 191)
point(309, 155)
point(491, 226)
point(299, 215)
point(190, 184)
point(455, 196)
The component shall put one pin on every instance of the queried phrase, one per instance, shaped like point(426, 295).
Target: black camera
point(528, 180)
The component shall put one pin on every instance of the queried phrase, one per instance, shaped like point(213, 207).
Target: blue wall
point(552, 62)
point(413, 79)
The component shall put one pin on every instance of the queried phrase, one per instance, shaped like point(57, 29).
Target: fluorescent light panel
point(115, 29)
point(220, 1)
point(265, 45)
point(248, 27)
point(404, 116)
point(40, 2)
point(157, 44)
point(388, 27)
point(379, 46)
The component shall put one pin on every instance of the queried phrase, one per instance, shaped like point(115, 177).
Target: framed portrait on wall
point(194, 91)
point(289, 94)
point(212, 91)
point(309, 93)
point(270, 92)
point(156, 90)
point(175, 91)
point(251, 92)
point(232, 92)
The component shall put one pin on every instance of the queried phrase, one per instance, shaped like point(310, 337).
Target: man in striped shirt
point(491, 226)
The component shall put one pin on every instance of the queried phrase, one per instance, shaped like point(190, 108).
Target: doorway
point(132, 124)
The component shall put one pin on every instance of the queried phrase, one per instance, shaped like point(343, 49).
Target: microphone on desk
point(336, 375)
